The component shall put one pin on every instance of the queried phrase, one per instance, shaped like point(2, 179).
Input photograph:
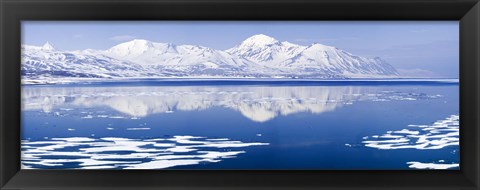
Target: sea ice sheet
point(125, 153)
point(438, 135)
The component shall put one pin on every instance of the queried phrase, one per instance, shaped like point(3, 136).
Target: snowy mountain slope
point(257, 56)
point(181, 60)
point(316, 60)
point(45, 61)
point(265, 50)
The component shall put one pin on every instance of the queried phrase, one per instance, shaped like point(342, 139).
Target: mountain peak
point(259, 40)
point(319, 46)
point(131, 48)
point(139, 42)
point(48, 46)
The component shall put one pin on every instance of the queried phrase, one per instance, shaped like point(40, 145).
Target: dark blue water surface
point(298, 125)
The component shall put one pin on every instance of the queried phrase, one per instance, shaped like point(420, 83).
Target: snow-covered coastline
point(72, 80)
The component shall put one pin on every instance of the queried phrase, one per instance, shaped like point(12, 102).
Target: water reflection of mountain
point(258, 103)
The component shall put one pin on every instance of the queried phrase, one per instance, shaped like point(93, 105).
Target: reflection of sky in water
point(271, 127)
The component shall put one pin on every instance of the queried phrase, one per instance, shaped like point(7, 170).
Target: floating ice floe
point(116, 117)
point(438, 135)
point(125, 153)
point(87, 117)
point(138, 129)
point(420, 165)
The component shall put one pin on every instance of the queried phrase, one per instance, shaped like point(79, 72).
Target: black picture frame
point(12, 12)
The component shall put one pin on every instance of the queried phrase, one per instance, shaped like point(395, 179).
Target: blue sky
point(416, 48)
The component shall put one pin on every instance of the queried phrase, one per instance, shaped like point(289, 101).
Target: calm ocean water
point(302, 125)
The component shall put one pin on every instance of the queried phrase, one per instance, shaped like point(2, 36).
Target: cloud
point(122, 38)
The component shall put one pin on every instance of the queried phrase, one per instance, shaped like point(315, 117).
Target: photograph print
point(240, 95)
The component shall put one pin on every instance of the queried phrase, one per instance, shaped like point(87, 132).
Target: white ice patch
point(73, 139)
point(125, 153)
point(116, 117)
point(437, 166)
point(138, 129)
point(438, 135)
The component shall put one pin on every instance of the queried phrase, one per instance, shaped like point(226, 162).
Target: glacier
point(259, 56)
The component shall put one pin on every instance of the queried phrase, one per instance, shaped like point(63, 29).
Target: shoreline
point(235, 81)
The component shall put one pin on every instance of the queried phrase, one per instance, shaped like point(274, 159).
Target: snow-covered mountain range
point(259, 56)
